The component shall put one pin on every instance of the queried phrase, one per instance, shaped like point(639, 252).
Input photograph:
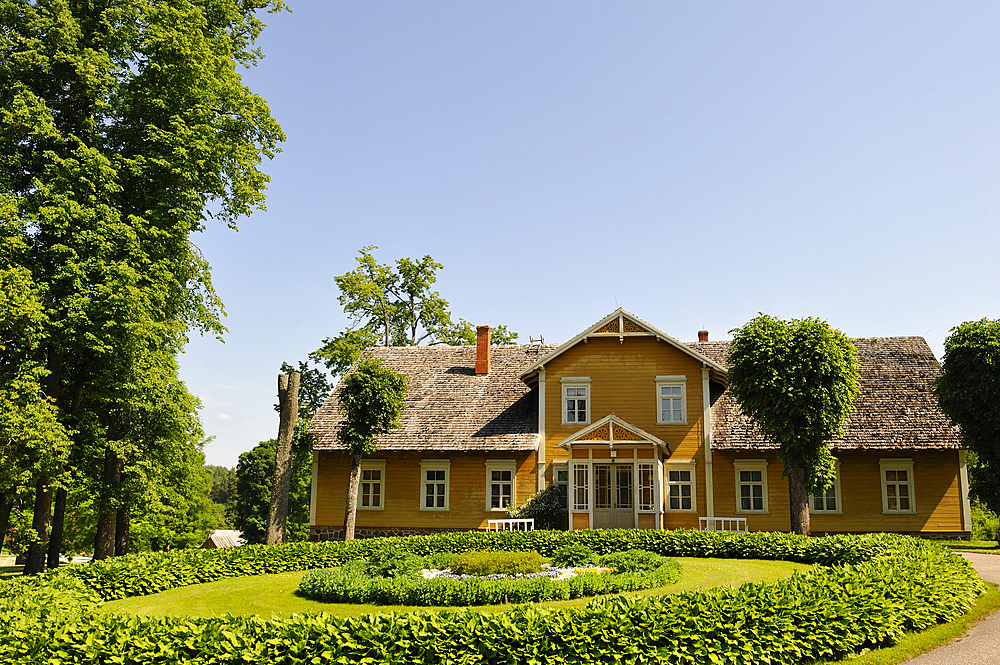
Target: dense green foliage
point(985, 523)
point(350, 584)
point(628, 561)
point(394, 307)
point(968, 391)
point(877, 587)
point(372, 398)
point(575, 554)
point(545, 507)
point(125, 127)
point(797, 380)
point(496, 563)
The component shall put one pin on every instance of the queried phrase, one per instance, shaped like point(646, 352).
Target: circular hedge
point(869, 591)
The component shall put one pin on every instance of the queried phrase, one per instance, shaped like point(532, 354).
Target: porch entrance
point(614, 492)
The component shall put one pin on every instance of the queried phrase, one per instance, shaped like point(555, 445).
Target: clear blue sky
point(695, 163)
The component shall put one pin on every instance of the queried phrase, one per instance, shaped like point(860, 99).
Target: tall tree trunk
point(104, 541)
point(6, 506)
point(58, 522)
point(35, 562)
point(798, 498)
point(122, 531)
point(288, 402)
point(352, 496)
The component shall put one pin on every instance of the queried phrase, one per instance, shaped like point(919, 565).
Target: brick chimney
point(702, 335)
point(482, 350)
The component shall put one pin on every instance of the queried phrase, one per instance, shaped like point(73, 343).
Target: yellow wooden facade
point(622, 366)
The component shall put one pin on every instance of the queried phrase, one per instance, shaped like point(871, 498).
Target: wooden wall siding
point(623, 382)
point(581, 521)
point(646, 521)
point(403, 490)
point(676, 520)
point(936, 493)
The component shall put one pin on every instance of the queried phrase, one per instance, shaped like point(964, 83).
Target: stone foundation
point(320, 533)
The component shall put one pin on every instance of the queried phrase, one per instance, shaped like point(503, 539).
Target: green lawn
point(984, 546)
point(274, 595)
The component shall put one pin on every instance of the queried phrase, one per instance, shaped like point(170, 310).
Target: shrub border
point(871, 590)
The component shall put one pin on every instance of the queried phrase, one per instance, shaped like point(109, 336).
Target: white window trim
point(677, 380)
point(679, 465)
point(435, 465)
point(897, 464)
point(576, 382)
point(373, 465)
point(501, 465)
point(585, 467)
point(562, 465)
point(651, 463)
point(752, 465)
point(840, 496)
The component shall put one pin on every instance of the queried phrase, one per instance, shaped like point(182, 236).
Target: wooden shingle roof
point(895, 409)
point(448, 407)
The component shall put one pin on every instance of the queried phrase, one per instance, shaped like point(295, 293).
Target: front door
point(614, 492)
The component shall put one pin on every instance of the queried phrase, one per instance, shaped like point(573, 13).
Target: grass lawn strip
point(274, 595)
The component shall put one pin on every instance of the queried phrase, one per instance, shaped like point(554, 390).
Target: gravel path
point(981, 645)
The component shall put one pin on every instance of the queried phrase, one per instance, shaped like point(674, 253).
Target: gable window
point(500, 476)
point(671, 399)
point(576, 400)
point(827, 501)
point(680, 485)
point(581, 487)
point(371, 492)
point(897, 485)
point(751, 486)
point(435, 476)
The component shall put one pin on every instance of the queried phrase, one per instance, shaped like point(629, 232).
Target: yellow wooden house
point(641, 432)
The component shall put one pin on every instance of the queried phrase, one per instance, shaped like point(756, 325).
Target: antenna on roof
point(536, 340)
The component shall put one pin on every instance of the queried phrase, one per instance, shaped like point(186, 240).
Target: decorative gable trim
point(621, 324)
point(611, 430)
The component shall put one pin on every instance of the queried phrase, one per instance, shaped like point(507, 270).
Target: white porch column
point(963, 488)
point(706, 398)
point(540, 457)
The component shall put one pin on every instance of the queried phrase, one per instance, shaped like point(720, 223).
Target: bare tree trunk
point(122, 532)
point(35, 562)
point(6, 507)
point(104, 541)
point(798, 498)
point(58, 522)
point(288, 401)
point(350, 517)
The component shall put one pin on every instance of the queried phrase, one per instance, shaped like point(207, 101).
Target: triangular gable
point(611, 430)
point(621, 324)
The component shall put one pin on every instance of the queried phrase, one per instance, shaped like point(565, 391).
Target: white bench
point(732, 524)
point(511, 525)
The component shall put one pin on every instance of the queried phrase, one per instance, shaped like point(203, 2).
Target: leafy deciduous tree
point(797, 379)
point(395, 307)
point(372, 399)
point(968, 391)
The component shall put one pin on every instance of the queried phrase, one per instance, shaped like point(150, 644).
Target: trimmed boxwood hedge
point(873, 589)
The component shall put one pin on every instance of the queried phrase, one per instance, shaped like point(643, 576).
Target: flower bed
point(353, 584)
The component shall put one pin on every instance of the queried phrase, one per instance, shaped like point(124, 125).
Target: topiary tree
point(968, 391)
point(372, 398)
point(797, 379)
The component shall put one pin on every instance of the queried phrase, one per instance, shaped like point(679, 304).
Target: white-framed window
point(671, 400)
point(647, 487)
point(680, 485)
point(751, 485)
point(371, 489)
point(560, 478)
point(575, 400)
point(435, 475)
point(897, 485)
point(500, 490)
point(829, 500)
point(581, 487)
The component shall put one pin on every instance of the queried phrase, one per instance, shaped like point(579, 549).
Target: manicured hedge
point(876, 588)
point(352, 586)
